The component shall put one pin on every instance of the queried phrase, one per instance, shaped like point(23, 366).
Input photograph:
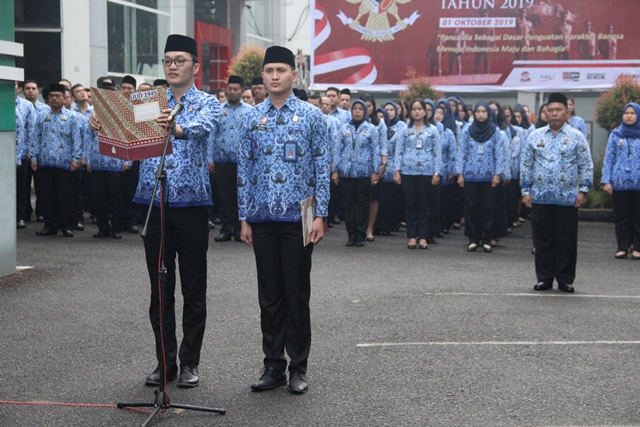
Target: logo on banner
point(573, 76)
point(525, 77)
point(378, 28)
point(595, 76)
point(547, 77)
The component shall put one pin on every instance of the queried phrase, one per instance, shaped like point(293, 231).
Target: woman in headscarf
point(381, 127)
point(621, 179)
point(418, 165)
point(356, 167)
point(480, 166)
point(387, 220)
point(450, 123)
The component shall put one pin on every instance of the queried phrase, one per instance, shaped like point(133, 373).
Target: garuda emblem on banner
point(378, 27)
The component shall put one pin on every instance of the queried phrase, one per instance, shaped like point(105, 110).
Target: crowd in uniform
point(430, 166)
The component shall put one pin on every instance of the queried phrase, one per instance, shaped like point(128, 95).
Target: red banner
point(474, 45)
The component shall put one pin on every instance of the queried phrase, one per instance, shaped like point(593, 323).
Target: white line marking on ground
point(494, 343)
point(523, 294)
point(24, 267)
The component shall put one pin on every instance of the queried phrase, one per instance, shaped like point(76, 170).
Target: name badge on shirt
point(290, 153)
point(63, 118)
point(620, 143)
point(47, 119)
point(263, 123)
point(419, 144)
point(480, 149)
point(295, 119)
point(541, 143)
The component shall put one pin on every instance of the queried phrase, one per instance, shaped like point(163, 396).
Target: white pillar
point(99, 46)
point(76, 40)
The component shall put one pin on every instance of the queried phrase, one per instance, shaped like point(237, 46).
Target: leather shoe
point(270, 380)
point(47, 232)
point(21, 224)
point(79, 226)
point(566, 288)
point(188, 377)
point(116, 235)
point(541, 286)
point(298, 383)
point(67, 233)
point(153, 378)
point(100, 234)
point(223, 237)
point(133, 229)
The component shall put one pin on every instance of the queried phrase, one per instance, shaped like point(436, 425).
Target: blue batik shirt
point(621, 166)
point(382, 137)
point(334, 126)
point(480, 161)
point(391, 148)
point(505, 135)
point(419, 153)
point(98, 161)
point(555, 168)
point(449, 151)
point(343, 115)
point(358, 153)
point(86, 116)
point(578, 123)
point(28, 118)
point(21, 147)
point(187, 172)
point(515, 148)
point(283, 159)
point(58, 140)
point(224, 141)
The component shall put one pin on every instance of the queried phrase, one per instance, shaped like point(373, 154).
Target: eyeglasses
point(179, 62)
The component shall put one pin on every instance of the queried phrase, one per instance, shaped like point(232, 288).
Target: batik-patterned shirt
point(186, 168)
point(224, 141)
point(556, 167)
point(621, 166)
point(58, 140)
point(283, 159)
point(419, 153)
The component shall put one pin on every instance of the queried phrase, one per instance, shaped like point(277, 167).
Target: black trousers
point(500, 215)
point(108, 199)
point(335, 201)
point(187, 236)
point(417, 193)
point(355, 198)
point(513, 201)
point(57, 197)
point(227, 188)
point(479, 204)
point(435, 203)
point(457, 202)
point(284, 289)
point(21, 191)
point(131, 210)
point(387, 219)
point(78, 195)
point(37, 186)
point(446, 206)
point(626, 211)
point(555, 237)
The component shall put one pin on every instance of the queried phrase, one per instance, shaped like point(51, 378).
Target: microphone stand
point(161, 401)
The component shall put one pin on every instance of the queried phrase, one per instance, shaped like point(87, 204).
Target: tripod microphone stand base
point(161, 403)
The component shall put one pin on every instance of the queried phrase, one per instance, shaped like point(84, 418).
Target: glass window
point(37, 14)
point(39, 45)
point(136, 37)
point(212, 12)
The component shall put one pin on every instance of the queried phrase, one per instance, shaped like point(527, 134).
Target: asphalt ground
point(401, 337)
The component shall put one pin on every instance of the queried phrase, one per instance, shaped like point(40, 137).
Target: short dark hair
point(315, 95)
point(30, 81)
point(102, 79)
point(75, 86)
point(334, 89)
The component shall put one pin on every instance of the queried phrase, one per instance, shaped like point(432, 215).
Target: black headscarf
point(358, 122)
point(387, 121)
point(525, 120)
point(483, 131)
point(396, 119)
point(629, 131)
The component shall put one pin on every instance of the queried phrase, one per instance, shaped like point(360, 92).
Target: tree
point(610, 105)
point(247, 63)
point(419, 88)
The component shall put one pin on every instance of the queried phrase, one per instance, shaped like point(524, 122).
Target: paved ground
point(401, 338)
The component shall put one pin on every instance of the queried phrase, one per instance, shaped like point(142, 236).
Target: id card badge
point(480, 149)
point(419, 144)
point(290, 152)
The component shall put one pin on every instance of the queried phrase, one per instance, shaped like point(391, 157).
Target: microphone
point(176, 110)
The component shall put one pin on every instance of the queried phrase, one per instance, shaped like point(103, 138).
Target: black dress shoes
point(133, 229)
point(100, 234)
point(188, 377)
point(298, 383)
point(270, 380)
point(79, 226)
point(47, 232)
point(223, 237)
point(351, 241)
point(541, 286)
point(566, 288)
point(153, 379)
point(67, 233)
point(21, 224)
point(116, 235)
